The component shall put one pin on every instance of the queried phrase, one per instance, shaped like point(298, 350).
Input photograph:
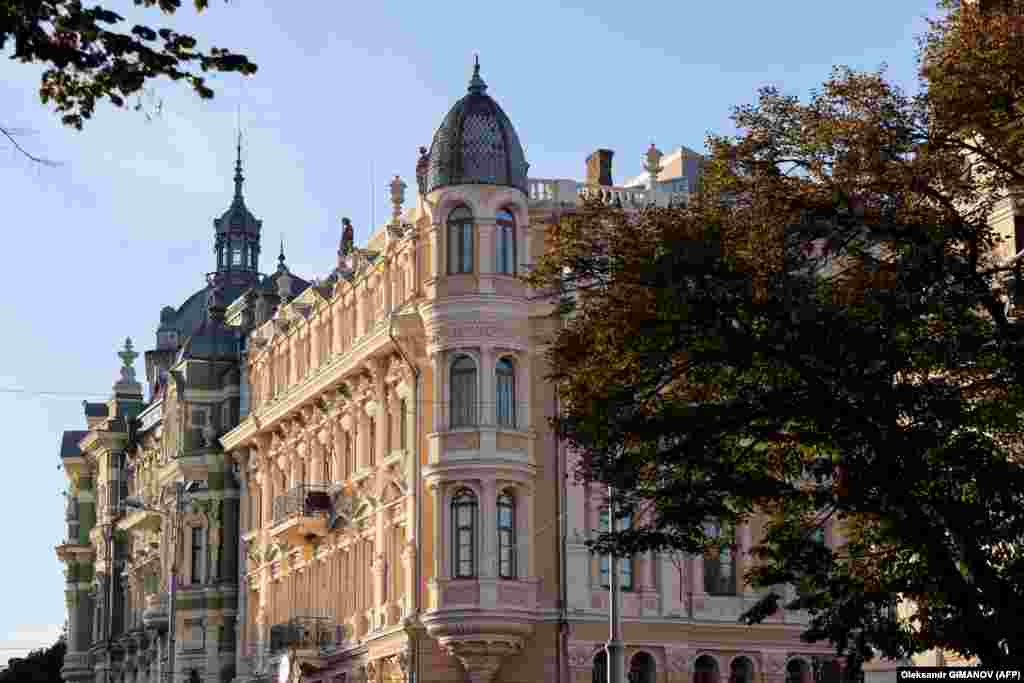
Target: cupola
point(476, 144)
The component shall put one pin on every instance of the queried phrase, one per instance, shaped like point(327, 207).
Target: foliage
point(820, 335)
point(89, 57)
point(39, 665)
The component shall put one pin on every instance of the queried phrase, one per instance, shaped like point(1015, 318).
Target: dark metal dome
point(476, 144)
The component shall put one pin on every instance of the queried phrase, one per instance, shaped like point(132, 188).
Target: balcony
point(474, 415)
point(303, 513)
point(309, 635)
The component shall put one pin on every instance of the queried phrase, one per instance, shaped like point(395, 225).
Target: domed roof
point(476, 144)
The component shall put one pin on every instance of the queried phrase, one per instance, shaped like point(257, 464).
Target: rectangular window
point(197, 554)
point(236, 256)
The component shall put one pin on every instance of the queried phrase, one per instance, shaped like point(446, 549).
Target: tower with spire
point(237, 235)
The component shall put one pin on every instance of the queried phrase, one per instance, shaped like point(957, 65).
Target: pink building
point(404, 503)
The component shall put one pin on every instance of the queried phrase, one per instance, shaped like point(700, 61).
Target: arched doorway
point(642, 668)
point(600, 674)
point(705, 670)
point(741, 671)
point(797, 671)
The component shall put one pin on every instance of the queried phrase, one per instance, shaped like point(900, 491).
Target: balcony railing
point(305, 500)
point(310, 634)
point(500, 415)
point(572, 192)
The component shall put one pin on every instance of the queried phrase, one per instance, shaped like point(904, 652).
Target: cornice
point(311, 389)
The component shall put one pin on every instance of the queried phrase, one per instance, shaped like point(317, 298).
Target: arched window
point(741, 671)
point(464, 534)
point(463, 390)
point(600, 674)
point(505, 390)
point(719, 563)
point(705, 670)
point(460, 241)
point(642, 668)
point(506, 535)
point(506, 238)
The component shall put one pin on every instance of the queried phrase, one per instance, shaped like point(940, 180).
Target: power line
point(35, 392)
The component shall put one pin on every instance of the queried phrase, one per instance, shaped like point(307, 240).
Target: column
point(440, 518)
point(525, 533)
point(697, 581)
point(381, 435)
point(379, 547)
point(485, 261)
point(316, 461)
point(387, 281)
point(487, 396)
point(363, 437)
point(488, 567)
point(341, 436)
point(293, 362)
point(523, 253)
point(337, 320)
point(244, 525)
point(359, 304)
point(435, 242)
point(437, 362)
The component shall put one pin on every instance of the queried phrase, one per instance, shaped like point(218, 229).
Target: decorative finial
point(128, 356)
point(652, 162)
point(476, 84)
point(280, 258)
point(397, 198)
point(239, 178)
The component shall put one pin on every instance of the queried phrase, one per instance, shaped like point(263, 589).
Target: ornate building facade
point(353, 479)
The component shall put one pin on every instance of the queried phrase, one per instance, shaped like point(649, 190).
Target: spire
point(280, 259)
point(476, 84)
point(239, 178)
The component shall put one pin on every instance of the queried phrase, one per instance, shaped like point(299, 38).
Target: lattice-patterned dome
point(476, 144)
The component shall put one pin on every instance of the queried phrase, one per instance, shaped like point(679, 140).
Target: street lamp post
point(132, 502)
point(614, 647)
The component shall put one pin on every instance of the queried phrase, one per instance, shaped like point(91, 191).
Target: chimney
point(599, 168)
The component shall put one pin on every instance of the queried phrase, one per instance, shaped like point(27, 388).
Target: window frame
point(505, 378)
point(459, 235)
point(464, 498)
point(505, 242)
point(507, 537)
point(197, 555)
point(462, 406)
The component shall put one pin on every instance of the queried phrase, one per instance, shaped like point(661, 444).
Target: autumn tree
point(821, 335)
point(90, 54)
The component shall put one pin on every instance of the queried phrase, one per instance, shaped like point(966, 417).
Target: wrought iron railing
point(305, 500)
point(501, 415)
point(320, 634)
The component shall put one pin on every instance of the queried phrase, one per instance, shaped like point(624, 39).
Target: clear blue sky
point(94, 248)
